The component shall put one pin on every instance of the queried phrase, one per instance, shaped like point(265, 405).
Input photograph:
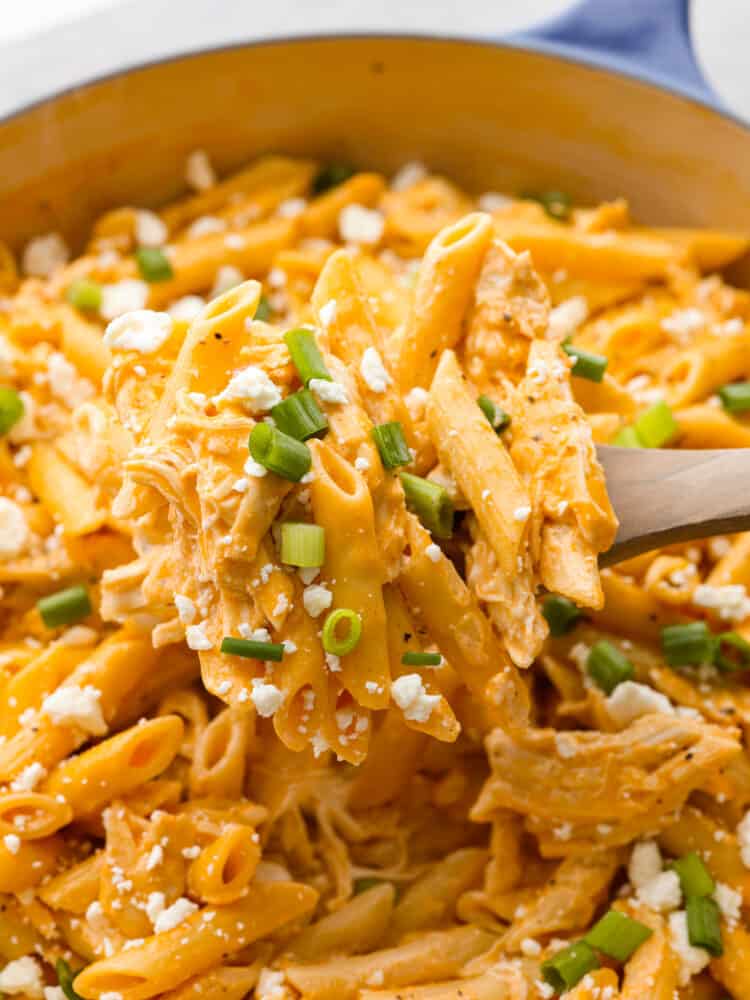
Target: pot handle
point(645, 38)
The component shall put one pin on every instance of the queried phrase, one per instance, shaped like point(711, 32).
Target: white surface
point(49, 44)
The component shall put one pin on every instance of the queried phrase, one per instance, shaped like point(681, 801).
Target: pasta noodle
point(312, 687)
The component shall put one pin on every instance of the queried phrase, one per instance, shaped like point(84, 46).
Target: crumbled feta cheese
point(631, 700)
point(645, 863)
point(110, 994)
point(409, 693)
point(327, 312)
point(276, 277)
point(407, 176)
point(433, 552)
point(333, 662)
point(254, 469)
point(361, 464)
point(358, 224)
point(205, 225)
point(692, 960)
point(150, 231)
point(14, 531)
point(155, 857)
point(730, 602)
point(65, 383)
point(684, 322)
point(226, 277)
point(270, 985)
point(196, 638)
point(565, 319)
point(729, 902)
point(376, 978)
point(186, 309)
point(530, 947)
point(522, 513)
point(143, 331)
point(71, 705)
point(267, 698)
point(662, 892)
point(319, 744)
point(282, 605)
point(316, 599)
point(240, 485)
point(129, 295)
point(174, 915)
point(493, 201)
point(373, 371)
point(545, 991)
point(743, 838)
point(23, 975)
point(12, 843)
point(327, 391)
point(252, 388)
point(29, 778)
point(53, 993)
point(579, 654)
point(42, 255)
point(415, 400)
point(291, 208)
point(565, 746)
point(199, 173)
point(186, 609)
point(308, 573)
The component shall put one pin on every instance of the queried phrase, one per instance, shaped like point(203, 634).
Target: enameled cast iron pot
point(604, 100)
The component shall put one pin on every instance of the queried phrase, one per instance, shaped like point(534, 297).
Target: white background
point(47, 44)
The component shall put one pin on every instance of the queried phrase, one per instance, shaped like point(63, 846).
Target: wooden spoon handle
point(662, 497)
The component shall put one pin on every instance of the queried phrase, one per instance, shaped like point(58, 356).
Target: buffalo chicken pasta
point(312, 688)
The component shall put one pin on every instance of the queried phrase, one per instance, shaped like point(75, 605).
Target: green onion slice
point(627, 437)
point(735, 398)
point(497, 417)
point(331, 176)
point(430, 502)
point(11, 408)
point(65, 977)
point(695, 878)
point(561, 614)
point(263, 310)
point(568, 967)
point(704, 925)
point(153, 264)
point(66, 607)
point(557, 204)
point(656, 426)
point(303, 545)
point(414, 659)
point(608, 666)
point(617, 935)
point(299, 416)
point(332, 642)
point(391, 444)
point(305, 355)
point(279, 452)
point(587, 365)
point(85, 294)
point(686, 645)
point(252, 649)
point(732, 652)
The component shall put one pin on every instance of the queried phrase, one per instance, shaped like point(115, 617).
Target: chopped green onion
point(497, 417)
point(363, 884)
point(66, 607)
point(627, 437)
point(279, 452)
point(85, 294)
point(153, 264)
point(557, 204)
point(608, 667)
point(65, 977)
point(587, 365)
point(391, 444)
point(331, 642)
point(305, 355)
point(617, 935)
point(430, 502)
point(704, 927)
point(263, 310)
point(299, 416)
point(568, 967)
point(331, 176)
point(686, 645)
point(732, 652)
point(695, 879)
point(561, 614)
point(735, 398)
point(252, 649)
point(421, 659)
point(11, 408)
point(656, 426)
point(303, 544)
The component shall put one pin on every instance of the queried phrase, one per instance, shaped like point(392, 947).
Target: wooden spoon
point(663, 496)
